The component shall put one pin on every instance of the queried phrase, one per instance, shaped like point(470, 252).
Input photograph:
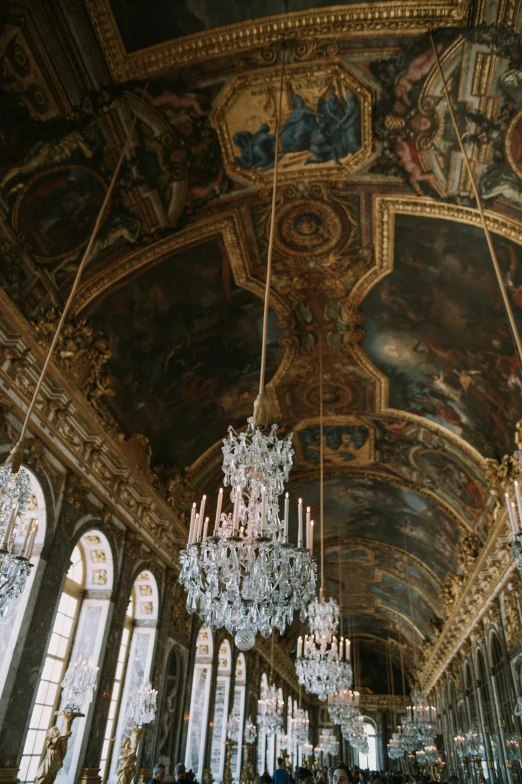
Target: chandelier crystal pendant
point(143, 706)
point(246, 576)
point(14, 567)
point(270, 712)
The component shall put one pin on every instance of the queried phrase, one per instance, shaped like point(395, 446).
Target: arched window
point(369, 760)
point(238, 706)
point(11, 623)
point(222, 695)
point(198, 719)
point(134, 666)
point(78, 630)
point(261, 736)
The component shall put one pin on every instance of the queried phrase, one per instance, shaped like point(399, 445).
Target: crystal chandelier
point(78, 685)
point(143, 706)
point(233, 726)
point(420, 719)
point(250, 733)
point(468, 746)
point(395, 750)
point(321, 668)
point(354, 733)
point(328, 743)
point(14, 568)
point(300, 726)
point(270, 711)
point(247, 577)
point(323, 618)
point(323, 662)
point(343, 705)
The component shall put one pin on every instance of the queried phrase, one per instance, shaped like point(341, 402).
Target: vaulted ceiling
point(379, 258)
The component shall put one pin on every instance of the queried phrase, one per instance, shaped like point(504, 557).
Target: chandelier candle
point(300, 523)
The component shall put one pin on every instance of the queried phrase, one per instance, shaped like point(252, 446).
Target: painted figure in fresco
point(257, 149)
point(48, 154)
point(297, 130)
point(409, 158)
point(348, 129)
point(419, 67)
point(52, 763)
point(177, 102)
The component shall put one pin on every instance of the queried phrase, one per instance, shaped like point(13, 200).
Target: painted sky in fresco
point(436, 327)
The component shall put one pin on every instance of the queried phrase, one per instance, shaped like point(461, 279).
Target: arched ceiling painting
point(378, 258)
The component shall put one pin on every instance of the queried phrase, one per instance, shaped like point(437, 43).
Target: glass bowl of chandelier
point(247, 576)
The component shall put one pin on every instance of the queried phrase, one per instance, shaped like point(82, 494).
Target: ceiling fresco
point(379, 260)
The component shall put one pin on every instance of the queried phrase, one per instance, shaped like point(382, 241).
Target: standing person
point(342, 774)
point(304, 776)
point(158, 773)
point(281, 775)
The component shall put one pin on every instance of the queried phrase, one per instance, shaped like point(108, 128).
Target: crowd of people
point(283, 774)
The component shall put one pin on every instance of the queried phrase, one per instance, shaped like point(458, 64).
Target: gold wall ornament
point(127, 762)
point(56, 742)
point(247, 110)
point(227, 776)
point(355, 20)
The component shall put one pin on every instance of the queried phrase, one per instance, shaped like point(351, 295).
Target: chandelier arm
point(260, 406)
point(16, 455)
point(480, 209)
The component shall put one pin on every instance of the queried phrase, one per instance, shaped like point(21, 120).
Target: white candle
point(287, 505)
point(205, 529)
point(11, 525)
point(263, 510)
point(27, 534)
point(300, 523)
point(299, 647)
point(197, 527)
point(311, 548)
point(356, 695)
point(202, 509)
point(519, 504)
point(33, 537)
point(308, 527)
point(512, 515)
point(218, 510)
point(236, 509)
point(347, 645)
point(192, 532)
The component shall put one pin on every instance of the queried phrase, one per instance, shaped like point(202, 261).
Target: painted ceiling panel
point(377, 510)
point(435, 326)
point(185, 359)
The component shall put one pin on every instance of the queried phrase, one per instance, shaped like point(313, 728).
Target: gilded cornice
point(403, 17)
point(68, 425)
point(493, 569)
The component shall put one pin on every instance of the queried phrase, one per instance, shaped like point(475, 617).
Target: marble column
point(150, 746)
point(57, 555)
point(218, 638)
point(90, 765)
point(188, 691)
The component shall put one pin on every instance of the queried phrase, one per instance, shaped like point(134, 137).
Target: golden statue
point(53, 761)
point(127, 767)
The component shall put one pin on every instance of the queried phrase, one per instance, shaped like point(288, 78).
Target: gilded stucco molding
point(67, 424)
point(494, 568)
point(364, 19)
